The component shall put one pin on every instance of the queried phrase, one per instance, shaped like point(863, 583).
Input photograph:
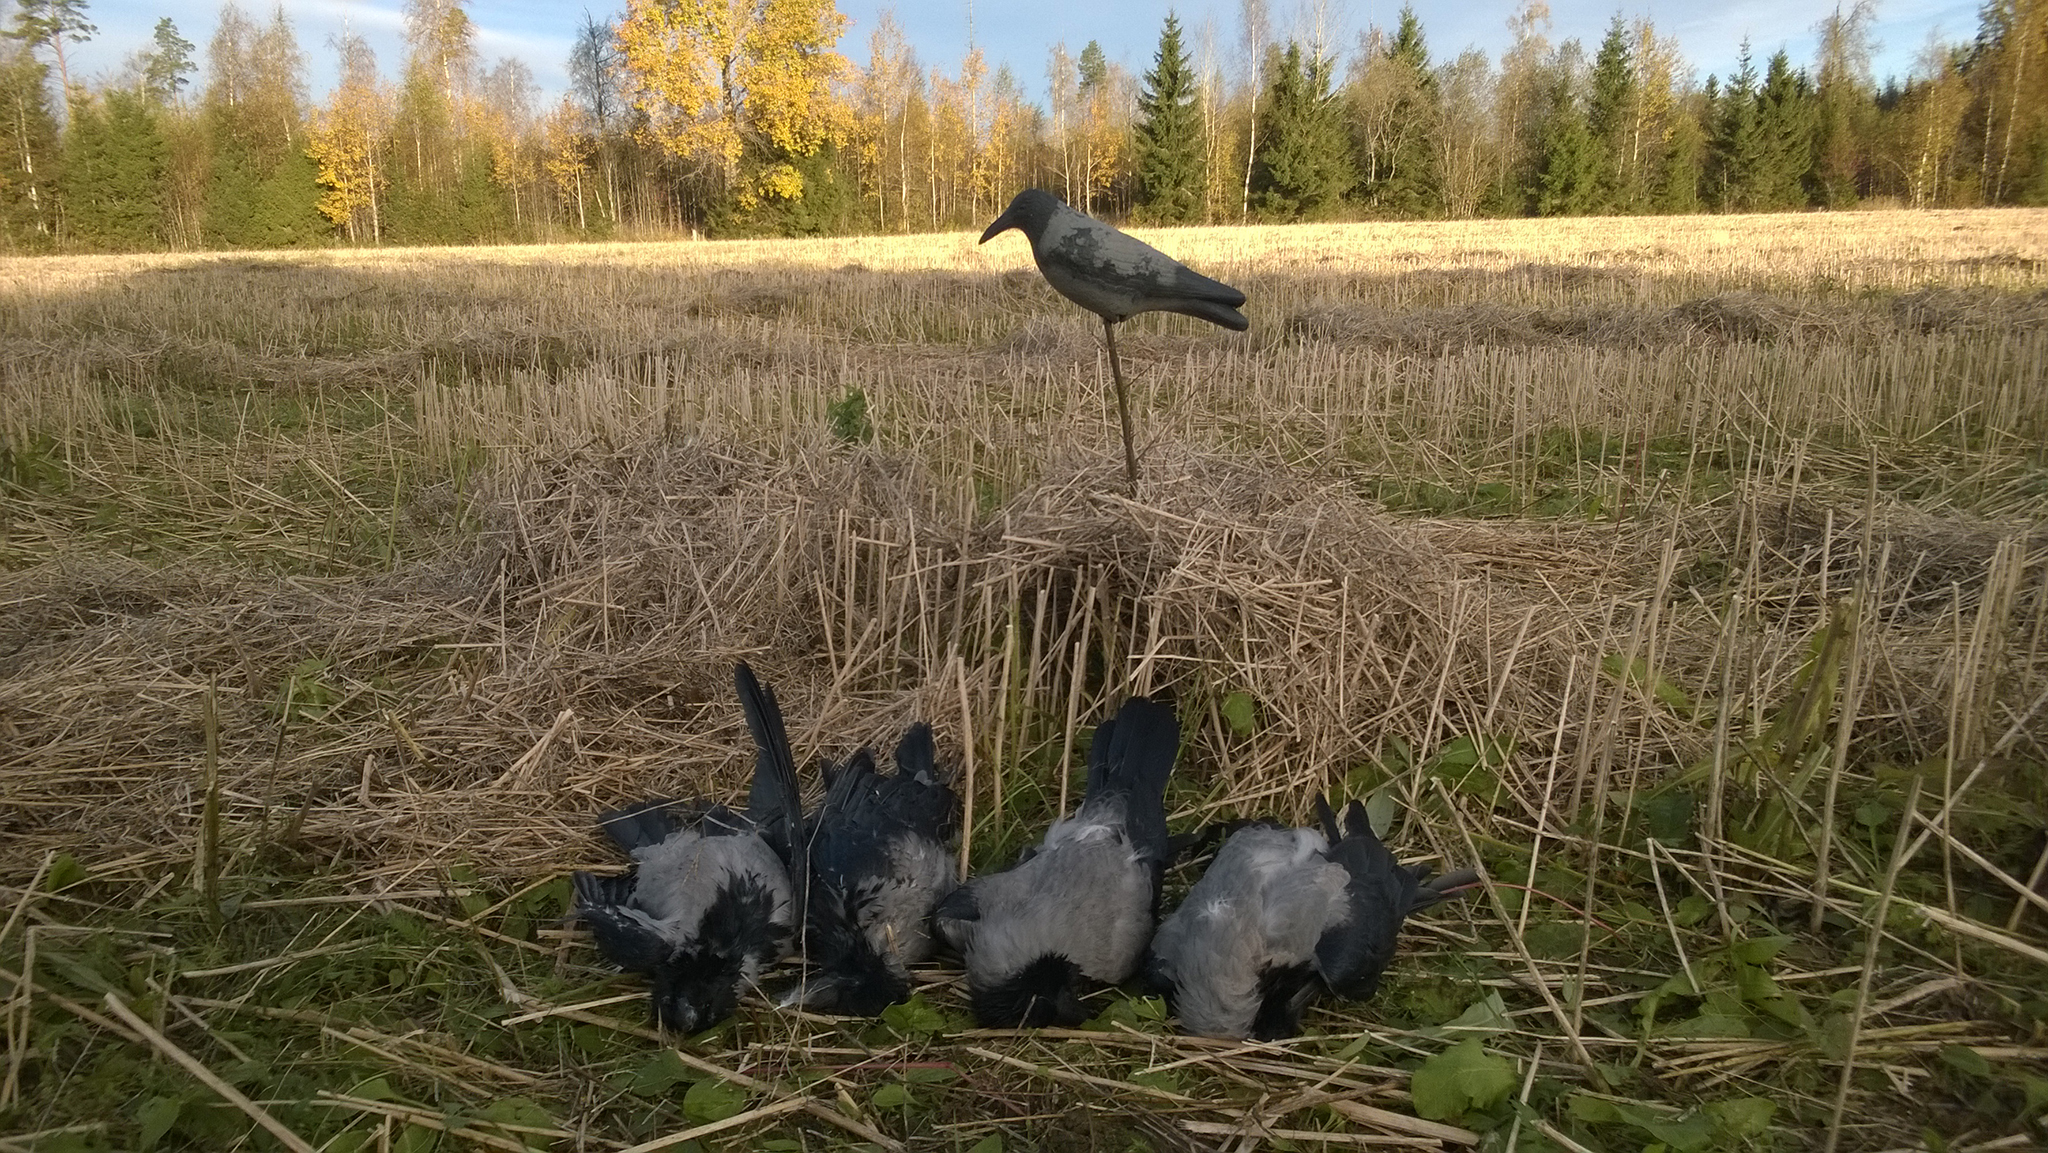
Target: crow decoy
point(706, 908)
point(879, 863)
point(1114, 276)
point(1282, 914)
point(1079, 907)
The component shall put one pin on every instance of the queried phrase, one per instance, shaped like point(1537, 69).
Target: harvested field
point(1690, 576)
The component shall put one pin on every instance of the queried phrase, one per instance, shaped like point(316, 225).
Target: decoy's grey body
point(1114, 276)
point(1077, 909)
point(1282, 914)
point(880, 863)
point(705, 908)
point(1111, 274)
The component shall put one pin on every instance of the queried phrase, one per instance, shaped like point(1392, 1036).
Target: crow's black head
point(695, 989)
point(857, 988)
point(1045, 992)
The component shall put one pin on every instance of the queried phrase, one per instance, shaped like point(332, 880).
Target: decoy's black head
point(694, 990)
point(1029, 213)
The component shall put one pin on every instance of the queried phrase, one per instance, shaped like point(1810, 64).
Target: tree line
point(723, 118)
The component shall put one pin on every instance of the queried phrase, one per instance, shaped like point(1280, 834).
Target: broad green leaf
point(660, 1073)
point(993, 1143)
point(1831, 1036)
point(1964, 1059)
point(914, 1018)
point(416, 1139)
point(1669, 816)
point(712, 1100)
point(156, 1116)
point(523, 1112)
point(65, 871)
point(1758, 950)
point(1380, 810)
point(1239, 713)
point(1706, 1026)
point(930, 1076)
point(1744, 1117)
point(1489, 1014)
point(1592, 1110)
point(889, 1095)
point(1464, 1076)
point(2036, 1089)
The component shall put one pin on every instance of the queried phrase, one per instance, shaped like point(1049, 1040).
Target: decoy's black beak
point(1001, 224)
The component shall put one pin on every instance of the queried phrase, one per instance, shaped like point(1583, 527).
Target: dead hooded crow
point(1115, 276)
point(706, 908)
point(1078, 908)
point(879, 863)
point(1282, 914)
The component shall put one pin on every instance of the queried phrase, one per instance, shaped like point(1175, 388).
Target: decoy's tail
point(775, 804)
point(1214, 312)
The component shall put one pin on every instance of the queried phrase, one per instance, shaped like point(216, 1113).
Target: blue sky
point(1021, 35)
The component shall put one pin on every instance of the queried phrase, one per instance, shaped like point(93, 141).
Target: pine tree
point(1171, 170)
point(51, 24)
point(167, 64)
point(1303, 167)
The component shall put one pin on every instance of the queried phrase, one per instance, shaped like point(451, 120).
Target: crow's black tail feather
point(1131, 756)
point(775, 803)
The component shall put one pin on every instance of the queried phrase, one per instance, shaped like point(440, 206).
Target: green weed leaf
point(993, 1143)
point(523, 1112)
point(1239, 713)
point(914, 1018)
point(1742, 1118)
point(661, 1073)
point(1461, 1077)
point(889, 1095)
point(1965, 1060)
point(712, 1100)
point(156, 1116)
point(65, 871)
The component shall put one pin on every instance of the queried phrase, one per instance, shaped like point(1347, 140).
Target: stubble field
point(1689, 576)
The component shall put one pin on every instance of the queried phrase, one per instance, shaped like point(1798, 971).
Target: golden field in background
point(1668, 568)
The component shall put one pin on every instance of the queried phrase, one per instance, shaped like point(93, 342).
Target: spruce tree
point(1681, 165)
point(1172, 172)
point(1303, 167)
point(114, 157)
point(1736, 156)
point(1569, 180)
point(1408, 188)
point(1608, 107)
point(1784, 116)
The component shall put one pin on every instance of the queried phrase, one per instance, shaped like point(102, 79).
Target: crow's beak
point(1001, 224)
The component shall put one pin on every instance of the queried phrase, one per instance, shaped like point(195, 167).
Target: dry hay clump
point(575, 650)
